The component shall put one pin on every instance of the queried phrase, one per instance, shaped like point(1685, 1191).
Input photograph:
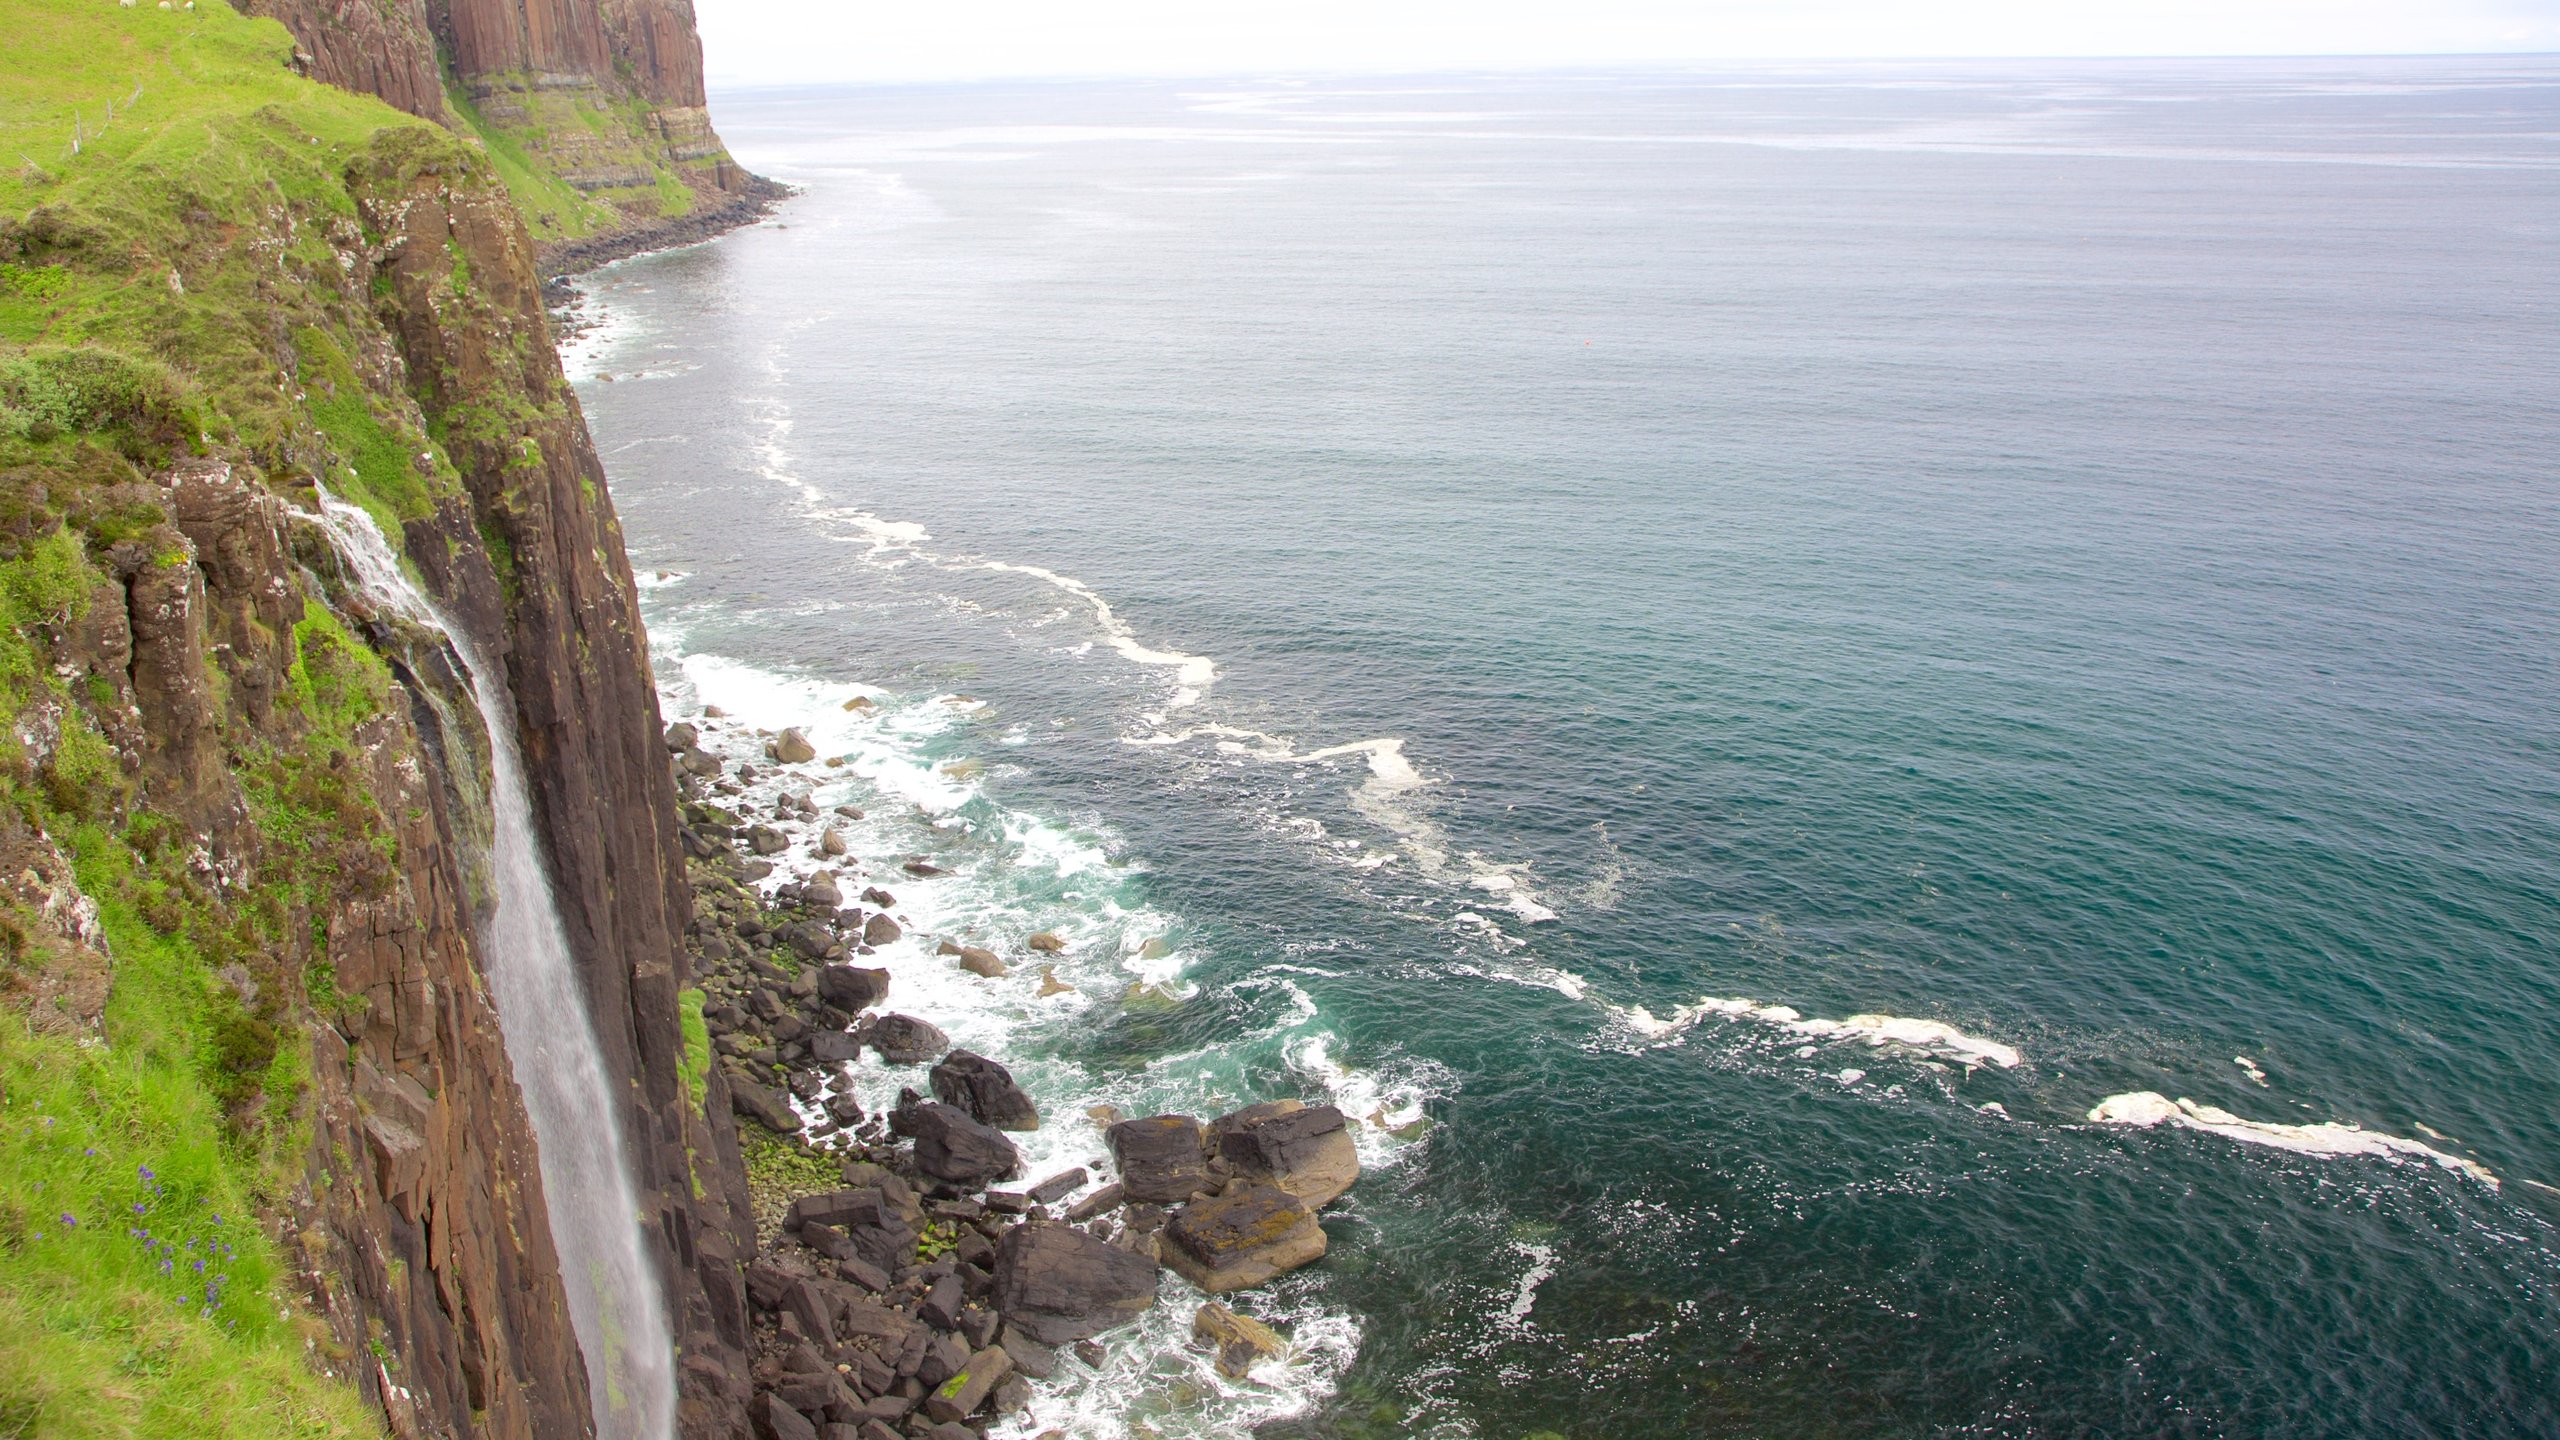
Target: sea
point(1893, 731)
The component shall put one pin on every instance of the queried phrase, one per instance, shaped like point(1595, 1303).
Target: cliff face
point(564, 614)
point(244, 816)
point(602, 100)
point(375, 47)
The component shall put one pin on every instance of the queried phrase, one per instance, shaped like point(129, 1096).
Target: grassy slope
point(141, 322)
point(621, 130)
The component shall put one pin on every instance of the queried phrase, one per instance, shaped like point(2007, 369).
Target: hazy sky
point(763, 41)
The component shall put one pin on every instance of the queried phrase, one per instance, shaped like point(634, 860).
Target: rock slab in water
point(957, 1150)
point(1057, 1284)
point(1161, 1159)
point(1306, 1150)
point(852, 988)
point(906, 1040)
point(1240, 1340)
point(1243, 1237)
point(985, 1089)
point(792, 747)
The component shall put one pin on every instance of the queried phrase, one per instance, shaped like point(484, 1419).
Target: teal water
point(2070, 554)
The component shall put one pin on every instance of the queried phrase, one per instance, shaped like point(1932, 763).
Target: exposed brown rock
point(1245, 1236)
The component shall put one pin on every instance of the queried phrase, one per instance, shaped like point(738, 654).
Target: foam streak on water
point(2326, 1140)
point(614, 1300)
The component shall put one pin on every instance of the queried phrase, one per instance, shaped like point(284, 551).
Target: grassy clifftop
point(178, 193)
point(191, 746)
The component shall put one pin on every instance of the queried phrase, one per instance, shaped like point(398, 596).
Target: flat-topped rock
point(1161, 1158)
point(1243, 1237)
point(1306, 1150)
point(1058, 1284)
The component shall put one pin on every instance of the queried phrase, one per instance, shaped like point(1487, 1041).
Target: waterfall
point(596, 1224)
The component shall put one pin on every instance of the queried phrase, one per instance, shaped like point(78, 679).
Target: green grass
point(697, 1047)
point(376, 458)
point(136, 1286)
point(553, 208)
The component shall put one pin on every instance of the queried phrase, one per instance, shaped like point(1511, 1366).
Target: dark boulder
point(852, 987)
point(985, 1089)
point(880, 1231)
point(1058, 1187)
point(835, 1047)
point(880, 930)
point(905, 1040)
point(1161, 1158)
point(763, 1106)
point(1058, 1284)
point(957, 1150)
point(776, 1420)
point(809, 940)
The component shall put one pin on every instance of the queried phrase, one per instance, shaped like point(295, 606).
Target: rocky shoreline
point(755, 199)
point(907, 1281)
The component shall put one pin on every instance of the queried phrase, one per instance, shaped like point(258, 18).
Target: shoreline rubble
point(908, 1284)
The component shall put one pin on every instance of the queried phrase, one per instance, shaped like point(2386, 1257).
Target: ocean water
point(1896, 731)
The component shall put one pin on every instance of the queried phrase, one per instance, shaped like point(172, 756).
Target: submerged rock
point(1240, 1340)
point(1047, 942)
point(1059, 1285)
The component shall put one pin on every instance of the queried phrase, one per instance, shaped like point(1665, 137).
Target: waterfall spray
point(614, 1301)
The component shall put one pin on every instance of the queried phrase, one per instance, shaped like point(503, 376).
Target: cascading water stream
point(614, 1301)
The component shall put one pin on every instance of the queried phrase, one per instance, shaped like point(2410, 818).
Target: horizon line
point(1611, 66)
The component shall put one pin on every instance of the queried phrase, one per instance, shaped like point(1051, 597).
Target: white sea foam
point(1928, 1037)
point(1524, 1297)
point(2327, 1140)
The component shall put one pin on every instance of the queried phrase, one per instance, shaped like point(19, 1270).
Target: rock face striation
point(603, 96)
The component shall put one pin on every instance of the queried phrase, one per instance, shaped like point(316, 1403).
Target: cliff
point(592, 111)
point(263, 1164)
